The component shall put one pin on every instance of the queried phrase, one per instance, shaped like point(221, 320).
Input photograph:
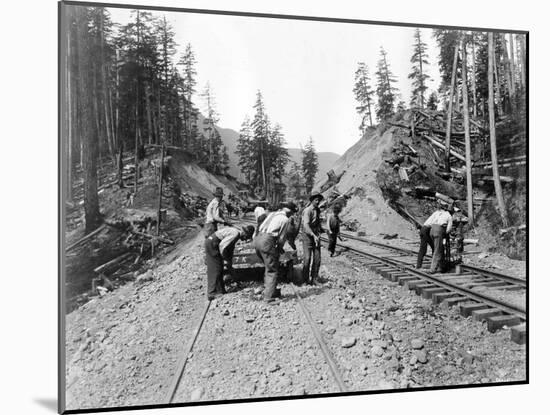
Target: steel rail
point(507, 307)
point(482, 271)
point(324, 348)
point(185, 357)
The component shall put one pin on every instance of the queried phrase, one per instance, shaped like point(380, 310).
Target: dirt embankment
point(130, 239)
point(367, 205)
point(392, 179)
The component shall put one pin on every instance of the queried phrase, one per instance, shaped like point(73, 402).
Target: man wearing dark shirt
point(219, 246)
point(333, 228)
point(311, 227)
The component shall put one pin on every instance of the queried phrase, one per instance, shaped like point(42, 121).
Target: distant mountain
point(230, 138)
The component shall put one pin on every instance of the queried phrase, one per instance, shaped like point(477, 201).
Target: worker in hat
point(432, 233)
point(333, 227)
point(311, 230)
point(219, 247)
point(269, 243)
point(214, 213)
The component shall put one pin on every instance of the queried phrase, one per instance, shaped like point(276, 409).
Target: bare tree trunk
point(512, 64)
point(474, 89)
point(522, 59)
point(370, 113)
point(148, 108)
point(450, 112)
point(497, 84)
point(492, 135)
point(508, 75)
point(89, 141)
point(136, 141)
point(95, 99)
point(466, 112)
point(160, 188)
point(108, 130)
point(117, 99)
point(69, 118)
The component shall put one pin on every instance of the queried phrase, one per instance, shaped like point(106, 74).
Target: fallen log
point(506, 179)
point(442, 146)
point(112, 262)
point(85, 238)
point(158, 238)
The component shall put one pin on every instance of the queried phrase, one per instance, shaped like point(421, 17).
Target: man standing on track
point(269, 244)
point(214, 213)
point(333, 228)
point(439, 224)
point(311, 229)
point(219, 246)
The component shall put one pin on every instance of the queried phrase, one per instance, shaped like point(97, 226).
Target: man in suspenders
point(269, 244)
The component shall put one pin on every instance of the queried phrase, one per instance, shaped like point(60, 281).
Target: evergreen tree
point(295, 180)
point(433, 100)
point(167, 49)
point(245, 151)
point(310, 164)
point(446, 40)
point(213, 139)
point(260, 134)
point(278, 153)
point(225, 161)
point(401, 106)
point(418, 75)
point(188, 84)
point(384, 88)
point(363, 95)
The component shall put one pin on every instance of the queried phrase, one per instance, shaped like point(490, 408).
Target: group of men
point(273, 229)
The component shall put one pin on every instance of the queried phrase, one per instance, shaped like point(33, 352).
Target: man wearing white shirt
point(269, 243)
point(439, 224)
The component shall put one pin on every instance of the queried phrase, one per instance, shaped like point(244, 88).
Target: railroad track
point(461, 289)
point(187, 351)
point(452, 289)
point(396, 267)
point(480, 276)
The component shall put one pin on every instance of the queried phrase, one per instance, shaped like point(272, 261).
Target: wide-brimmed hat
point(290, 206)
point(218, 192)
point(248, 230)
point(316, 195)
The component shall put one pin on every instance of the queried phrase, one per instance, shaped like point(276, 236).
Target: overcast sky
point(305, 70)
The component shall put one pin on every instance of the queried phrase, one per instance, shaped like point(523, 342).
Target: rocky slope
point(123, 348)
point(367, 204)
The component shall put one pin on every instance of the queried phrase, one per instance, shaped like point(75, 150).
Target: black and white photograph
point(269, 207)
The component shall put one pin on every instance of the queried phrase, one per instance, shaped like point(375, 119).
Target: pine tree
point(188, 84)
point(418, 75)
point(225, 161)
point(310, 164)
point(363, 95)
point(209, 127)
point(245, 151)
point(260, 134)
point(433, 100)
point(447, 39)
point(295, 181)
point(278, 152)
point(384, 89)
